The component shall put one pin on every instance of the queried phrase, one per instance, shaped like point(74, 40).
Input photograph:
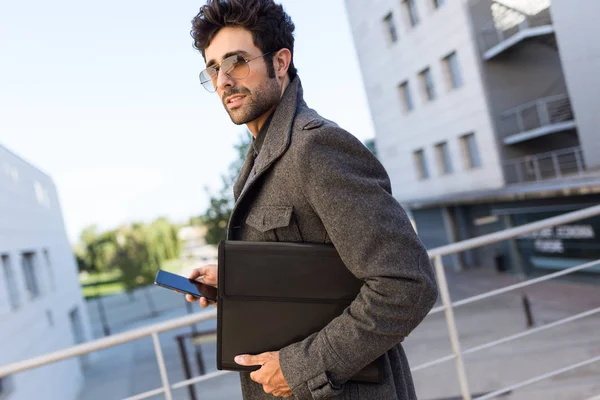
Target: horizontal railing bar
point(433, 363)
point(532, 331)
point(508, 339)
point(520, 285)
point(514, 232)
point(538, 379)
point(534, 103)
point(106, 342)
point(199, 379)
point(146, 395)
point(548, 154)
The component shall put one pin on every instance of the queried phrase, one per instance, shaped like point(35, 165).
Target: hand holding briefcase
point(273, 294)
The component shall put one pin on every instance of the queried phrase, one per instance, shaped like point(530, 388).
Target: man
point(307, 180)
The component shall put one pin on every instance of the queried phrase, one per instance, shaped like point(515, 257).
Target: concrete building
point(485, 114)
point(41, 306)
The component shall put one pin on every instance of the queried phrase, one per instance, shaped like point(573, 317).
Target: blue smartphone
point(185, 285)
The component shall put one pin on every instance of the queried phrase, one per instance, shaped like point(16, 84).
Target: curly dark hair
point(272, 29)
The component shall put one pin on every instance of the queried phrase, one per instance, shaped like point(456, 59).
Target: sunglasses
point(235, 67)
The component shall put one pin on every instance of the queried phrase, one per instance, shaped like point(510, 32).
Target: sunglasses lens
point(207, 78)
point(236, 67)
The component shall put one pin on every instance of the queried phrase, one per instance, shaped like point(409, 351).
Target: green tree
point(216, 217)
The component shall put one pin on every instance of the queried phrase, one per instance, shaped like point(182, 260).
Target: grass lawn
point(112, 287)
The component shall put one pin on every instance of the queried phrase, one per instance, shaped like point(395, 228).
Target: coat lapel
point(243, 175)
point(276, 142)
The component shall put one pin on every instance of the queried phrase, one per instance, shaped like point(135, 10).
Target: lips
point(234, 100)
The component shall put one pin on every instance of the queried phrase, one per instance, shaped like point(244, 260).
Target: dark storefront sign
point(562, 246)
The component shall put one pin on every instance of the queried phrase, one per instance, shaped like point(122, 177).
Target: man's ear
point(281, 62)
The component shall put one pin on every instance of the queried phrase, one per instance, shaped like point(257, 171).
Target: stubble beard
point(257, 102)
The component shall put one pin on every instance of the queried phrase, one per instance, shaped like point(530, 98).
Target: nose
point(224, 81)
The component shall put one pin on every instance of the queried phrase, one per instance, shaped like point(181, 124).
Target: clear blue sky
point(105, 98)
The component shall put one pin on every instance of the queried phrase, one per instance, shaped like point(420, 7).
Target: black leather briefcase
point(272, 294)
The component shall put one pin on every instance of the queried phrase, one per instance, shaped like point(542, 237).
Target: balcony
point(541, 117)
point(539, 167)
point(511, 27)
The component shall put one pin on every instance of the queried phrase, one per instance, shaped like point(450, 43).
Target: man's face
point(244, 99)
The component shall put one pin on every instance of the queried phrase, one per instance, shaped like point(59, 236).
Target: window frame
point(30, 276)
point(391, 28)
point(444, 158)
point(453, 72)
point(470, 161)
point(427, 85)
point(11, 283)
point(408, 103)
point(420, 161)
point(411, 12)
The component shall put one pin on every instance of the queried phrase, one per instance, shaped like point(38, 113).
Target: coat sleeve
point(350, 191)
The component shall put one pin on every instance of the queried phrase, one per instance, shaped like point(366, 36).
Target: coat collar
point(276, 140)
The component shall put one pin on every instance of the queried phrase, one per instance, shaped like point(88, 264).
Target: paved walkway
point(130, 369)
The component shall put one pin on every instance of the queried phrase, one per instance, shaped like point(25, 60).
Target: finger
point(255, 377)
point(197, 273)
point(190, 298)
point(203, 302)
point(246, 359)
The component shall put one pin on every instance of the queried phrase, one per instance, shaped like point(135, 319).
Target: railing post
point(543, 114)
point(519, 171)
point(579, 161)
point(536, 169)
point(452, 331)
point(556, 165)
point(520, 123)
point(161, 367)
point(500, 34)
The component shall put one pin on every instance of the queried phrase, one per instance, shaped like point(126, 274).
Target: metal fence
point(508, 22)
point(458, 354)
point(550, 165)
point(536, 114)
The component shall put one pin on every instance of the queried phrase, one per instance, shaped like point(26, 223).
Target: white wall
point(454, 113)
point(31, 221)
point(577, 31)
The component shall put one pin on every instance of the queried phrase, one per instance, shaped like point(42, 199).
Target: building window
point(421, 164)
point(29, 274)
point(410, 9)
point(10, 282)
point(391, 27)
point(407, 102)
point(49, 268)
point(438, 3)
point(442, 153)
point(427, 86)
point(452, 71)
point(470, 152)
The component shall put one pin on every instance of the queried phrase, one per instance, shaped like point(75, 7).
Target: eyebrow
point(231, 53)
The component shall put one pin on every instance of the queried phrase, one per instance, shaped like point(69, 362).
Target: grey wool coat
point(314, 182)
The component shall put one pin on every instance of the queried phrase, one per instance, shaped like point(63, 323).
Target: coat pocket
point(274, 223)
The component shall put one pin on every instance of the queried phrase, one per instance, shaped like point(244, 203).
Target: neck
point(255, 126)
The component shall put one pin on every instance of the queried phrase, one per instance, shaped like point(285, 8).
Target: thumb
point(197, 273)
point(246, 359)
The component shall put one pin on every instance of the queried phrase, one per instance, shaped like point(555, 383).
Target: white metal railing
point(447, 307)
point(508, 22)
point(542, 112)
point(543, 166)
